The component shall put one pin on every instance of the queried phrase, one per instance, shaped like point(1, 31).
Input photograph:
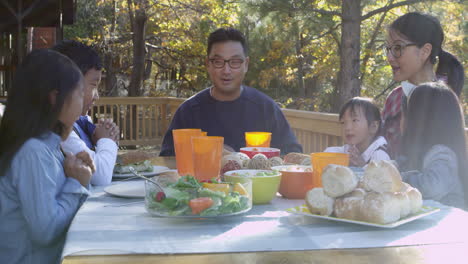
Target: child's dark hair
point(422, 28)
point(370, 110)
point(29, 112)
point(84, 56)
point(226, 34)
point(433, 116)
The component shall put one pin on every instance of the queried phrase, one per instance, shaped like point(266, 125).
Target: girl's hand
point(86, 158)
point(355, 158)
point(75, 167)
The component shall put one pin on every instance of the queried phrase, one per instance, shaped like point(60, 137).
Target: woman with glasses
point(413, 46)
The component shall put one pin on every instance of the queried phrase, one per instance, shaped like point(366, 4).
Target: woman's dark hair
point(29, 112)
point(433, 116)
point(371, 111)
point(422, 28)
point(226, 34)
point(84, 56)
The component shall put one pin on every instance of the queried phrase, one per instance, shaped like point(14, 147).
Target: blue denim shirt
point(37, 203)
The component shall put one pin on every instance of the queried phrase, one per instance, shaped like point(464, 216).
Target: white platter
point(156, 170)
point(425, 211)
point(127, 189)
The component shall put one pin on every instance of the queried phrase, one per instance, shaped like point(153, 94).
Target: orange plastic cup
point(257, 139)
point(207, 153)
point(183, 149)
point(321, 159)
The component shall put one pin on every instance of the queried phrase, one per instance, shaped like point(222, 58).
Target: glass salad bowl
point(188, 198)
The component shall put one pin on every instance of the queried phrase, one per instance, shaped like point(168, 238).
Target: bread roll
point(132, 157)
point(243, 158)
point(276, 161)
point(230, 162)
point(318, 202)
point(259, 162)
point(295, 158)
point(414, 196)
point(349, 206)
point(405, 205)
point(382, 176)
point(338, 180)
point(380, 208)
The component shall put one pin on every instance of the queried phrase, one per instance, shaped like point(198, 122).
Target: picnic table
point(108, 229)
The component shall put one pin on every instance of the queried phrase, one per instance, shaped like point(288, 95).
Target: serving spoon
point(134, 172)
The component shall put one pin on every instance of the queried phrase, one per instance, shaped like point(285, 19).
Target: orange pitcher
point(183, 149)
point(207, 153)
point(321, 159)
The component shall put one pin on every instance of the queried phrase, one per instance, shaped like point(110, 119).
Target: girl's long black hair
point(434, 116)
point(29, 112)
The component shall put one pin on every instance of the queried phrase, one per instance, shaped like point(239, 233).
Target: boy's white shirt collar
point(367, 154)
point(407, 88)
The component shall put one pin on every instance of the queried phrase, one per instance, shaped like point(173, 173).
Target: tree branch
point(370, 45)
point(325, 12)
point(331, 30)
point(387, 8)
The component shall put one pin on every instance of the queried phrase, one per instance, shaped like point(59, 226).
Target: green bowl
point(265, 183)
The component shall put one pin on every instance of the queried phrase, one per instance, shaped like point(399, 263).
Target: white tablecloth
point(99, 228)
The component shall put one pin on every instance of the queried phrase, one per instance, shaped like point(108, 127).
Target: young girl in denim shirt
point(41, 189)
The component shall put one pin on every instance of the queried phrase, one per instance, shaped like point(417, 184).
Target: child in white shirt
point(361, 132)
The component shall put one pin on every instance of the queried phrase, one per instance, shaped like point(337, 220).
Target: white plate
point(128, 189)
point(156, 170)
point(425, 210)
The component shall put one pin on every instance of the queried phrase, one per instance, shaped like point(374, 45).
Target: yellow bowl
point(265, 183)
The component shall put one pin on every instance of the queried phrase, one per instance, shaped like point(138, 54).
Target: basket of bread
point(379, 197)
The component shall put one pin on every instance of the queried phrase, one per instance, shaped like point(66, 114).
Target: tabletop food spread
point(354, 208)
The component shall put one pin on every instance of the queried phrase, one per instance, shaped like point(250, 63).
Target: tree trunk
point(138, 27)
point(349, 84)
point(111, 78)
point(300, 59)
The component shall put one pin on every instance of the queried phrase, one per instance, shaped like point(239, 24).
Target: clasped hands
point(80, 167)
point(106, 128)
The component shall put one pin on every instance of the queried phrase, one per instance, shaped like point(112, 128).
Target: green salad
point(189, 197)
point(256, 174)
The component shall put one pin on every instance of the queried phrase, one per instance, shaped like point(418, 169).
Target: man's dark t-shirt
point(252, 111)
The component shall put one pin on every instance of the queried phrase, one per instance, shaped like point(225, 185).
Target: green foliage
point(294, 45)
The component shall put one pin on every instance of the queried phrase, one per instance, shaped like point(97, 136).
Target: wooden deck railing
point(151, 115)
point(315, 131)
point(142, 120)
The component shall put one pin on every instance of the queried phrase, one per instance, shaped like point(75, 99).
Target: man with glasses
point(228, 108)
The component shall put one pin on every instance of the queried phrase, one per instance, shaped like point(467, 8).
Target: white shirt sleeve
point(104, 157)
point(380, 155)
point(337, 149)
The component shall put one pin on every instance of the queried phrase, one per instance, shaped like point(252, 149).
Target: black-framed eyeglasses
point(397, 49)
point(233, 63)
